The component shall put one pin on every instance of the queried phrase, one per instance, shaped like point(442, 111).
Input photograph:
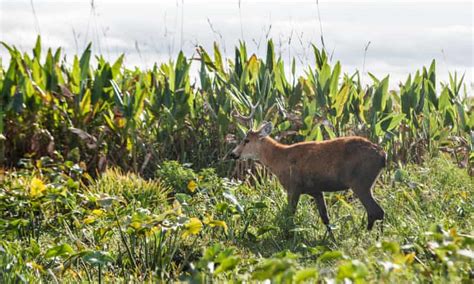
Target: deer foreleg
point(293, 199)
point(322, 209)
point(321, 205)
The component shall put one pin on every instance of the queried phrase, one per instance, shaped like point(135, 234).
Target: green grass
point(57, 225)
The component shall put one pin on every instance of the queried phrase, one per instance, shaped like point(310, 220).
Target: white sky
point(404, 35)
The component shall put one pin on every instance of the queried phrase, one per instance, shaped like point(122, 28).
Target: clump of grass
point(132, 188)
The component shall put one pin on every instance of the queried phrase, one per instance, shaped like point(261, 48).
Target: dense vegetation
point(111, 173)
point(135, 119)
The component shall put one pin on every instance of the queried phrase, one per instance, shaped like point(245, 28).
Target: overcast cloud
point(404, 35)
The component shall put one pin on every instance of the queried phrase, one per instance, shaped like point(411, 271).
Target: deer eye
point(246, 141)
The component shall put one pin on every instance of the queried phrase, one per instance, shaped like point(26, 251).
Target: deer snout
point(234, 156)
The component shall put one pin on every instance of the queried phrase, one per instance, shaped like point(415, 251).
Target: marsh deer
point(315, 167)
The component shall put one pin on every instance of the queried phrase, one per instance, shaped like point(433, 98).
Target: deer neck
point(271, 154)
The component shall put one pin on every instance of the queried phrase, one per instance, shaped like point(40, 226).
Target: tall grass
point(108, 114)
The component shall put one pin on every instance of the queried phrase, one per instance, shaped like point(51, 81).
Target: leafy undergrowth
point(58, 225)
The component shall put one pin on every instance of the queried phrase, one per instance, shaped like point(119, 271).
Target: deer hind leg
point(374, 211)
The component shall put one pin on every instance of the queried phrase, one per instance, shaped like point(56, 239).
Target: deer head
point(250, 147)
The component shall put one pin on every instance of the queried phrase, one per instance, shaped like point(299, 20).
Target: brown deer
point(314, 167)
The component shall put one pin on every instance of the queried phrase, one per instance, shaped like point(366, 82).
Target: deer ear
point(265, 130)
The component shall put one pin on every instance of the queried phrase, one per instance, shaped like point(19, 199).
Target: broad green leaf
point(391, 121)
point(97, 258)
point(227, 264)
point(60, 250)
point(335, 79)
point(85, 106)
point(270, 56)
point(353, 270)
point(340, 100)
point(37, 49)
point(117, 66)
point(331, 256)
point(391, 247)
point(305, 275)
point(444, 99)
point(461, 115)
point(84, 63)
point(381, 95)
point(218, 59)
point(253, 66)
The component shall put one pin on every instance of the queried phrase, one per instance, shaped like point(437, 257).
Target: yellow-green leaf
point(98, 212)
point(121, 122)
point(192, 186)
point(89, 220)
point(216, 223)
point(193, 227)
point(35, 266)
point(37, 187)
point(341, 100)
point(136, 225)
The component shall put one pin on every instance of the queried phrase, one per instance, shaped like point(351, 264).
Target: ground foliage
point(121, 227)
